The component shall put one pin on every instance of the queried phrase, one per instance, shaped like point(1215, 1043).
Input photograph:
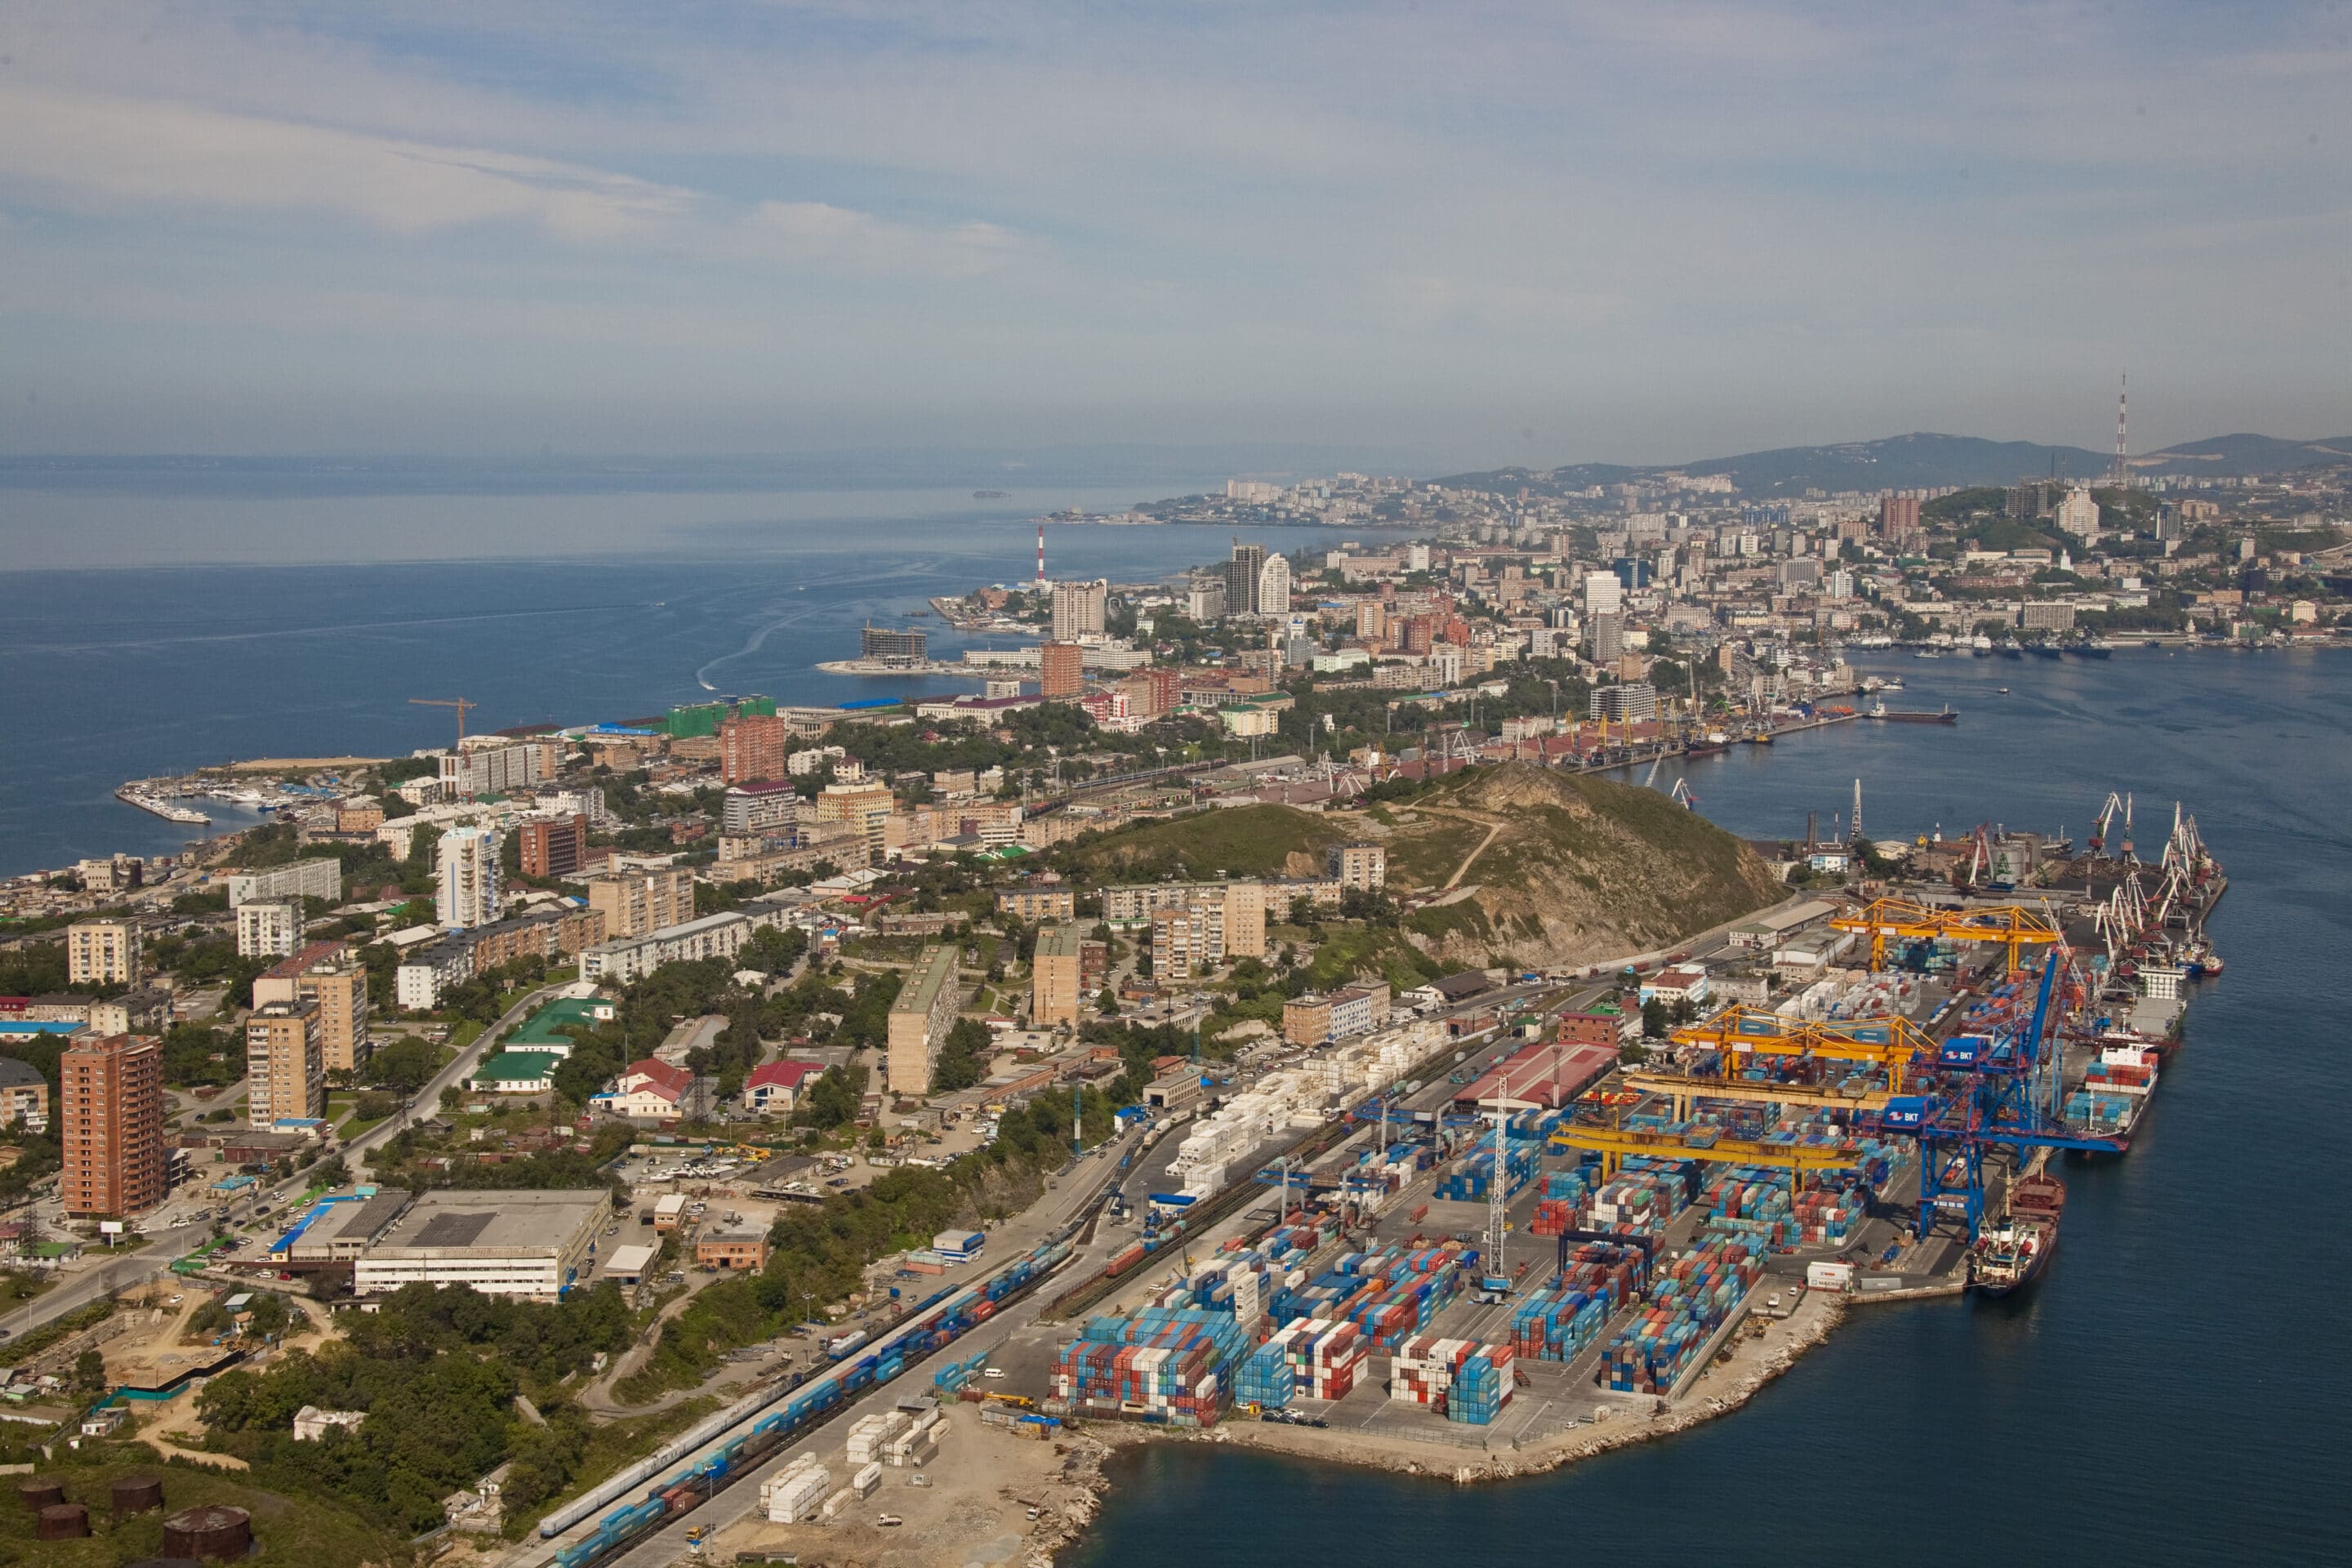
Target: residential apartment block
point(110, 1126)
point(634, 902)
point(267, 931)
point(285, 1063)
point(920, 1018)
point(1057, 977)
point(103, 952)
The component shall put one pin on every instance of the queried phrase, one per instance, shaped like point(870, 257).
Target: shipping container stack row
point(1388, 1294)
point(1462, 1380)
point(1644, 1196)
point(2099, 1113)
point(796, 1492)
point(1557, 1321)
point(1690, 1299)
point(1471, 1178)
point(1326, 1359)
point(958, 1376)
point(896, 1438)
point(1164, 1367)
point(1265, 1379)
point(1561, 1197)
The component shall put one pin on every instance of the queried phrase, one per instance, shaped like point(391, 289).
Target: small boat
point(2004, 692)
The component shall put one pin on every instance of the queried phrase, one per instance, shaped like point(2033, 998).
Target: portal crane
point(460, 703)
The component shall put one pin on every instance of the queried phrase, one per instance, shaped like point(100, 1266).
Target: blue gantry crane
point(1994, 1091)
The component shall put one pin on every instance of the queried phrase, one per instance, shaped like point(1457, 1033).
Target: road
point(87, 1285)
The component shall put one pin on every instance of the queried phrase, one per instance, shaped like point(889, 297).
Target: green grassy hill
point(1242, 841)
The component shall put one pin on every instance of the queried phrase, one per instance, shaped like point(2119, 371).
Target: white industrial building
point(503, 1243)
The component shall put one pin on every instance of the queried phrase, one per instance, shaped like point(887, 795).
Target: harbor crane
point(1892, 1042)
point(2012, 926)
point(460, 703)
point(1616, 1144)
point(2001, 1090)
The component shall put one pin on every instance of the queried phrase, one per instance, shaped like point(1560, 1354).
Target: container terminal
point(1519, 1245)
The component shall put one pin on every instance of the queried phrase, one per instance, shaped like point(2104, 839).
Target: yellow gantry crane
point(460, 703)
point(1614, 1145)
point(2012, 926)
point(1890, 1041)
point(1684, 1089)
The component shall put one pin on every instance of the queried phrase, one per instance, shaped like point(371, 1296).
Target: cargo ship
point(2011, 1255)
point(1893, 716)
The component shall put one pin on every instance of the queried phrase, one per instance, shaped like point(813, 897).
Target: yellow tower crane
point(2012, 926)
point(460, 703)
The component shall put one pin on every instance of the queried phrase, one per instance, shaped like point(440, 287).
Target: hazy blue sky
point(1508, 232)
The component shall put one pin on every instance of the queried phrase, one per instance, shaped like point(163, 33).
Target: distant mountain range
point(1926, 461)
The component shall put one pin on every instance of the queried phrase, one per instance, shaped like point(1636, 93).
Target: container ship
point(2011, 1255)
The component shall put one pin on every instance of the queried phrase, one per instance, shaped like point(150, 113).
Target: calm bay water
point(113, 675)
point(2173, 1390)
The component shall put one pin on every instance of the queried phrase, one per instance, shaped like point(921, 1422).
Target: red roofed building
point(1541, 1076)
point(775, 1087)
point(648, 1089)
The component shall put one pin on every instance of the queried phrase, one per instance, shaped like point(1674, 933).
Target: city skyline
point(1479, 234)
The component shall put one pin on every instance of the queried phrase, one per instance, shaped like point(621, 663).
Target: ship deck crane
point(2012, 926)
point(460, 703)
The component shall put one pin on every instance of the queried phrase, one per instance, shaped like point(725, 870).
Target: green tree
point(89, 1372)
point(1654, 1019)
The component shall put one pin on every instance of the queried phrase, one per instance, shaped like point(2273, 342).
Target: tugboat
point(2010, 1255)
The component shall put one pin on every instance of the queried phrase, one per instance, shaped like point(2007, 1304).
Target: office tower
point(1061, 670)
point(553, 847)
point(1242, 578)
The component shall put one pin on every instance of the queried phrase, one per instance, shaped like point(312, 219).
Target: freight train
point(937, 1322)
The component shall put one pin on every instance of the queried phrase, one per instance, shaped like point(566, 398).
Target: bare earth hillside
point(1558, 868)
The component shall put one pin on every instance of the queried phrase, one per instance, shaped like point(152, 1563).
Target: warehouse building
point(506, 1243)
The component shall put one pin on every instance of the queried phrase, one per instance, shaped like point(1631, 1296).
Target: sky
point(1531, 233)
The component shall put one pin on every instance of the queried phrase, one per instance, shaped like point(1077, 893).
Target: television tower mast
point(1041, 555)
point(2122, 475)
point(1857, 808)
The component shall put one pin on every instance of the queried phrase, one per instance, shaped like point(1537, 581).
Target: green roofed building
point(543, 1030)
point(515, 1073)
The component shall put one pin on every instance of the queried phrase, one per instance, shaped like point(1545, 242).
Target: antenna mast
point(1041, 555)
point(2122, 402)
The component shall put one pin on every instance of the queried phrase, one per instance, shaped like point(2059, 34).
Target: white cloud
point(842, 239)
point(95, 152)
